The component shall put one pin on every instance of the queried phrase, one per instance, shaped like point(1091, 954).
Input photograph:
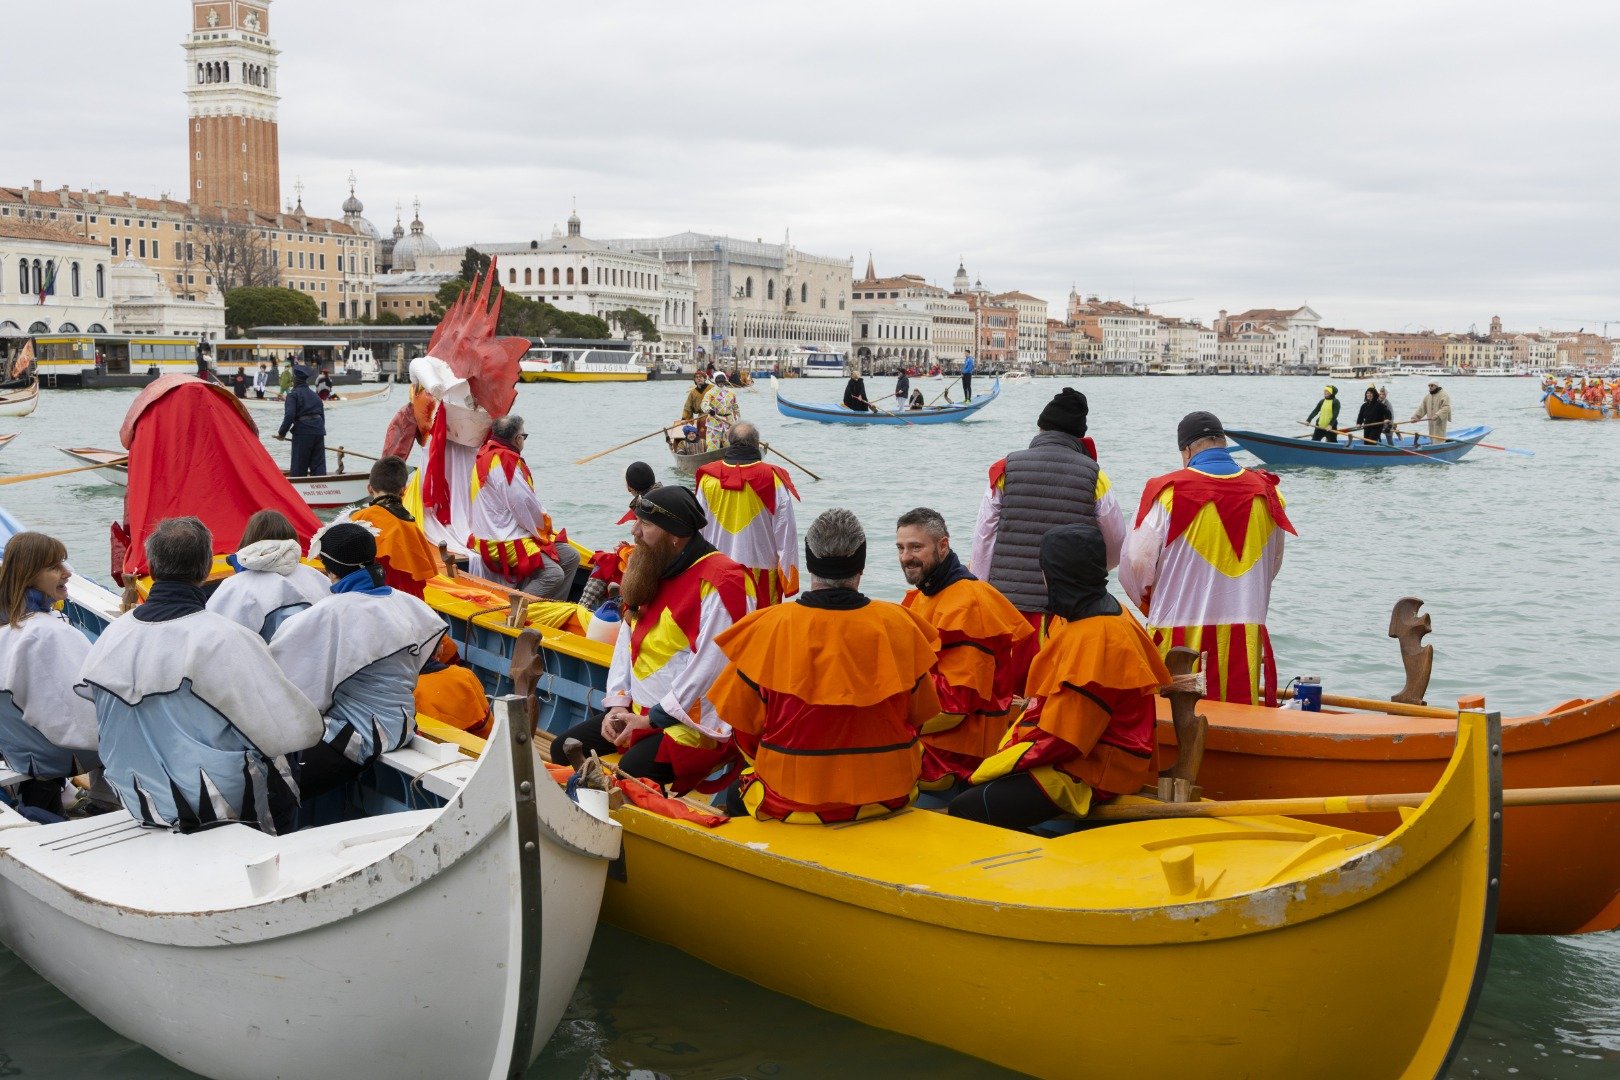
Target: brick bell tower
point(231, 85)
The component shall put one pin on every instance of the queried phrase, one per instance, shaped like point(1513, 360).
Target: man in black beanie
point(1056, 481)
point(679, 594)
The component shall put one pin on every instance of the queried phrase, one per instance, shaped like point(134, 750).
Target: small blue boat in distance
point(835, 413)
point(1289, 451)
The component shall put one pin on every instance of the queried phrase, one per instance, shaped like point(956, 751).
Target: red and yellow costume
point(511, 531)
point(453, 694)
point(1200, 563)
point(1088, 730)
point(828, 705)
point(668, 655)
point(409, 560)
point(751, 518)
point(983, 659)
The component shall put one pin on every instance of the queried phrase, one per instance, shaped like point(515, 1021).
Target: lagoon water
point(1513, 556)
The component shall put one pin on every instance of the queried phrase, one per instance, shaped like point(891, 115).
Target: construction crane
point(1160, 303)
point(1603, 323)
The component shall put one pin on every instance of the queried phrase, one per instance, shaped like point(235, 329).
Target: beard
point(644, 571)
point(915, 572)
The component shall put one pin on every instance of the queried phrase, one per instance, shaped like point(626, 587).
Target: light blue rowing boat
point(1286, 450)
point(836, 413)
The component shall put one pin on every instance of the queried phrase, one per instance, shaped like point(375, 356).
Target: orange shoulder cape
point(1108, 650)
point(824, 657)
point(402, 545)
point(974, 609)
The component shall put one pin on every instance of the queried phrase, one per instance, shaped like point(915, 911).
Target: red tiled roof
point(16, 229)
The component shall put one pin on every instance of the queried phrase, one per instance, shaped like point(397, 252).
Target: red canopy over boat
point(195, 451)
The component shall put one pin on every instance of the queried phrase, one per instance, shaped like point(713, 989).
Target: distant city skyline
point(1395, 167)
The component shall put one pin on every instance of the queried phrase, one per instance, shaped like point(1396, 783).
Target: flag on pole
point(47, 281)
point(23, 360)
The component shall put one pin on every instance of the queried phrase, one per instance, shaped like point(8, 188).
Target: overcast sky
point(1394, 165)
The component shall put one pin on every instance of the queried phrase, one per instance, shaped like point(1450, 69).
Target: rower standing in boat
point(356, 655)
point(409, 560)
point(749, 505)
point(513, 539)
point(261, 381)
point(980, 662)
point(1435, 407)
point(1373, 419)
point(902, 386)
point(240, 383)
point(305, 416)
point(720, 411)
point(855, 394)
point(836, 739)
point(692, 408)
point(196, 719)
point(1056, 481)
point(1207, 545)
point(270, 584)
point(1326, 415)
point(1389, 428)
point(1088, 730)
point(47, 732)
point(967, 377)
point(680, 595)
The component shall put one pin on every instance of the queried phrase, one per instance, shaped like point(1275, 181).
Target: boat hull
point(454, 954)
point(837, 414)
point(584, 376)
point(354, 397)
point(1287, 451)
point(1559, 874)
point(318, 492)
point(19, 402)
point(838, 917)
point(1559, 409)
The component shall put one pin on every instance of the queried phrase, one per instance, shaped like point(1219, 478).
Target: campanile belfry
point(231, 85)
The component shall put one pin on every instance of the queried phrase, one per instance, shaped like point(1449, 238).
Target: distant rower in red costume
point(1207, 545)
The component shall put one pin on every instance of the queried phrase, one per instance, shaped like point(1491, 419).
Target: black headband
point(836, 567)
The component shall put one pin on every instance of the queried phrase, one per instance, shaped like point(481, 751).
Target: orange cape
point(823, 657)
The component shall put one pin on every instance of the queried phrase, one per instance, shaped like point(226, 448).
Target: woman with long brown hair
point(46, 730)
point(270, 584)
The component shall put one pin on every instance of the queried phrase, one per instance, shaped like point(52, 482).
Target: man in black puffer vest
point(1054, 482)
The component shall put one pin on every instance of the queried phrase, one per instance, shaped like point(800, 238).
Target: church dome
point(415, 246)
point(354, 214)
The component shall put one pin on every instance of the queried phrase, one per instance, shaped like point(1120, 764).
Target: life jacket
point(827, 704)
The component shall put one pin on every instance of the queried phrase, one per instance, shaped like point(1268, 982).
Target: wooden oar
point(358, 454)
point(1393, 708)
point(874, 408)
point(1487, 446)
point(1340, 804)
point(63, 472)
point(1402, 449)
point(621, 446)
point(790, 461)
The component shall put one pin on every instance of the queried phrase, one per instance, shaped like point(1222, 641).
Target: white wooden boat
point(318, 492)
point(5, 440)
point(20, 402)
point(342, 396)
point(410, 942)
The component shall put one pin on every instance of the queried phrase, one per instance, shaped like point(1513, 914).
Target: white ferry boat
point(815, 363)
point(596, 362)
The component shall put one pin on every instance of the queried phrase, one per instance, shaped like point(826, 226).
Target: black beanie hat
point(1198, 425)
point(349, 546)
point(639, 477)
point(1066, 412)
point(673, 509)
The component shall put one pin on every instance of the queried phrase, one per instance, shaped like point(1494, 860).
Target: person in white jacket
point(270, 584)
point(47, 732)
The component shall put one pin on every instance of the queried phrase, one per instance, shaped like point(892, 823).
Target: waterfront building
point(1030, 333)
point(761, 303)
point(410, 295)
point(1583, 352)
point(950, 331)
point(1424, 349)
point(1470, 352)
point(890, 337)
point(1336, 350)
point(1120, 339)
point(1366, 350)
point(573, 272)
point(1059, 343)
point(142, 303)
point(1291, 332)
point(1190, 347)
point(995, 330)
point(51, 281)
point(228, 228)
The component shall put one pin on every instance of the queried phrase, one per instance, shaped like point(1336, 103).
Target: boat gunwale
point(1384, 864)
